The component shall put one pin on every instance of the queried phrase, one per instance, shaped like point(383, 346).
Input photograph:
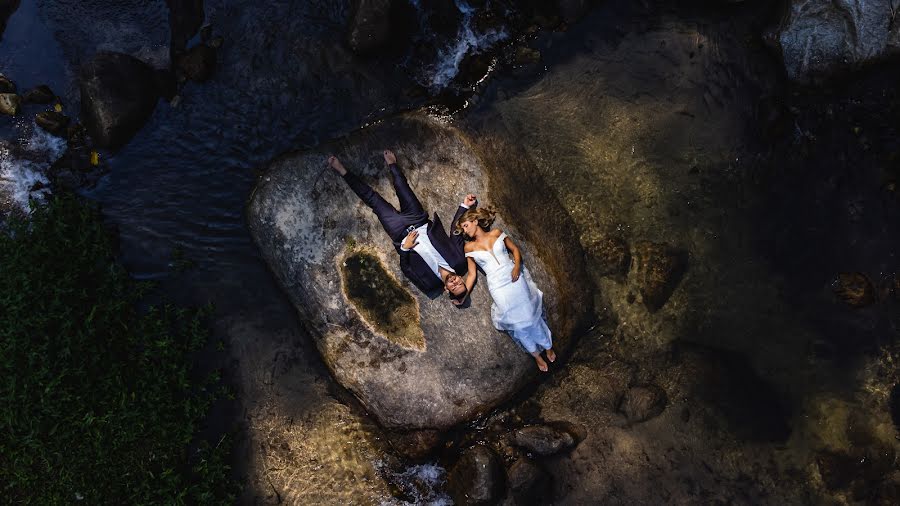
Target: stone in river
point(118, 95)
point(414, 362)
point(818, 38)
point(39, 95)
point(9, 103)
point(53, 122)
point(476, 478)
point(542, 439)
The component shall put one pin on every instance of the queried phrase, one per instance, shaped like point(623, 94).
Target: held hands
point(470, 200)
point(515, 273)
point(411, 240)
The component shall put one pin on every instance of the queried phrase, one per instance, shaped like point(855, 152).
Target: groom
point(429, 258)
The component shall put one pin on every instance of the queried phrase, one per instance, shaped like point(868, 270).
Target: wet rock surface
point(9, 103)
point(818, 38)
point(185, 19)
point(450, 366)
point(477, 478)
point(54, 122)
point(118, 94)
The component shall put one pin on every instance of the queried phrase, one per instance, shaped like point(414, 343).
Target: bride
point(518, 304)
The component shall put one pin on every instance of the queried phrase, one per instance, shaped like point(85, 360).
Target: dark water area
point(813, 194)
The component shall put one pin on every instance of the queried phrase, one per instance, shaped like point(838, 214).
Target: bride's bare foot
point(389, 157)
point(551, 355)
point(540, 363)
point(336, 165)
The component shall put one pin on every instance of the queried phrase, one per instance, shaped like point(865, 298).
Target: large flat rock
point(412, 361)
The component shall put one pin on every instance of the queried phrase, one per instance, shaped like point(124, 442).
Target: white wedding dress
point(518, 306)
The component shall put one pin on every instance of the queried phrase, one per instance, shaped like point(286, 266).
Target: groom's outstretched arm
point(470, 202)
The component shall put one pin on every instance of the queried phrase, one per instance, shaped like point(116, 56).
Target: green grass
point(96, 401)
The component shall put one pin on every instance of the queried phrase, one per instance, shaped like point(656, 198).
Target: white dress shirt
point(426, 250)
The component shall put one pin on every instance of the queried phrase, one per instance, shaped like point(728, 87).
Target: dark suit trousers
point(395, 222)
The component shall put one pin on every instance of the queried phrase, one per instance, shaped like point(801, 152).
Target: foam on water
point(22, 166)
point(421, 484)
point(468, 41)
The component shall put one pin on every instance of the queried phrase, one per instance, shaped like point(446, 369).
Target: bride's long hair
point(484, 216)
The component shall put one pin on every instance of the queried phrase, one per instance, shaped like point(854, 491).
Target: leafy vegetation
point(97, 401)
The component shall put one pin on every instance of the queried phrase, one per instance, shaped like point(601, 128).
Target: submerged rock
point(643, 403)
point(542, 439)
point(39, 95)
point(118, 94)
point(476, 478)
point(9, 103)
point(656, 270)
point(820, 37)
point(414, 362)
point(416, 444)
point(53, 122)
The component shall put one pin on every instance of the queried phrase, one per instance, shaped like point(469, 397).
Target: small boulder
point(6, 85)
point(39, 95)
point(643, 403)
point(528, 483)
point(542, 439)
point(118, 95)
point(370, 26)
point(854, 289)
point(9, 103)
point(656, 270)
point(818, 38)
point(198, 63)
point(476, 478)
point(53, 122)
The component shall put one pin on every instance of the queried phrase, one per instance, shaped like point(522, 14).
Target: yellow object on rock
point(57, 107)
point(95, 158)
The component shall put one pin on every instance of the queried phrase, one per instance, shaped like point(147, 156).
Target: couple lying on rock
point(435, 262)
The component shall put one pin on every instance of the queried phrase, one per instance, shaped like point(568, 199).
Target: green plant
point(96, 398)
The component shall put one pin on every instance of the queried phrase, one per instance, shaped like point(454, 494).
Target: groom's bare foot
point(541, 364)
point(389, 157)
point(336, 165)
point(551, 355)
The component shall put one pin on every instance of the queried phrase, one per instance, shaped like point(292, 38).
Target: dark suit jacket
point(449, 246)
